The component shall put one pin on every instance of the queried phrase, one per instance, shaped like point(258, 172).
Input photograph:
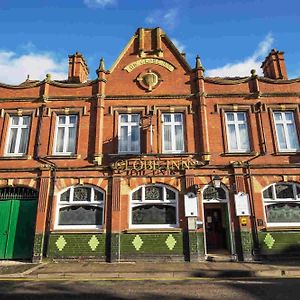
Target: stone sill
point(78, 231)
point(166, 155)
point(73, 156)
point(152, 230)
point(285, 153)
point(22, 157)
point(270, 229)
point(239, 154)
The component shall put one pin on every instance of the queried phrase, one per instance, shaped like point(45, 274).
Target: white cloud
point(178, 44)
point(243, 67)
point(15, 68)
point(167, 18)
point(98, 3)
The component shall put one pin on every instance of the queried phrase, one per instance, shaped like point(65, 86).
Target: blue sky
point(231, 36)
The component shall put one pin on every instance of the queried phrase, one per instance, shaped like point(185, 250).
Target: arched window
point(212, 193)
point(154, 206)
point(80, 207)
point(282, 204)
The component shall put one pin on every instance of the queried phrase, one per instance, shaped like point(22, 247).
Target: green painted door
point(19, 217)
point(5, 207)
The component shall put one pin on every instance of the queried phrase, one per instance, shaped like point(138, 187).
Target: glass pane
point(153, 193)
point(65, 197)
point(154, 214)
point(221, 193)
point(289, 116)
point(281, 136)
point(80, 215)
point(26, 120)
point(137, 195)
point(135, 131)
point(98, 196)
point(62, 120)
point(124, 118)
point(283, 212)
point(60, 139)
point(123, 138)
point(134, 118)
point(167, 137)
point(15, 120)
point(178, 118)
point(230, 116)
point(244, 138)
point(241, 116)
point(72, 140)
point(232, 137)
point(82, 194)
point(268, 194)
point(179, 137)
point(210, 193)
point(73, 119)
point(284, 191)
point(23, 140)
point(12, 140)
point(298, 191)
point(293, 138)
point(170, 194)
point(167, 118)
point(278, 116)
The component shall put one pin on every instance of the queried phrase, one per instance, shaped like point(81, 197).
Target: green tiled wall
point(279, 243)
point(38, 247)
point(68, 245)
point(151, 244)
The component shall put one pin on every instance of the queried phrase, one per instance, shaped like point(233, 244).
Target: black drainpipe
point(53, 168)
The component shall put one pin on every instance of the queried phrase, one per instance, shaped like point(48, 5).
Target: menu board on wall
point(242, 207)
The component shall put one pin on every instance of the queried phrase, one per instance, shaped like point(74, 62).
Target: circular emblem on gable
point(149, 80)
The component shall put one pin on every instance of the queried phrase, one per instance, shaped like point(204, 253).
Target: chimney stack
point(274, 65)
point(78, 69)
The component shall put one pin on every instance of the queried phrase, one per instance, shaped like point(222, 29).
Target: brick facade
point(150, 79)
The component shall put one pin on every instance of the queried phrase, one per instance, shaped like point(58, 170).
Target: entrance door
point(17, 224)
point(214, 230)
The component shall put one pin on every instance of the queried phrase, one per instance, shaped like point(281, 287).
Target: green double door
point(17, 227)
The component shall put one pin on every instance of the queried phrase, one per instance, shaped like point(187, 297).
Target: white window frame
point(275, 200)
point(66, 126)
point(236, 124)
point(129, 124)
point(19, 128)
point(79, 203)
point(135, 203)
point(286, 122)
point(173, 137)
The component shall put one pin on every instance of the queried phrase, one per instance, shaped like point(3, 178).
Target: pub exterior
point(152, 160)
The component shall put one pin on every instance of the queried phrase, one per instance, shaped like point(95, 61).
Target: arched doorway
point(18, 216)
point(218, 236)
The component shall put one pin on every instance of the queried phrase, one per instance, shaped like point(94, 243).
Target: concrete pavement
point(75, 269)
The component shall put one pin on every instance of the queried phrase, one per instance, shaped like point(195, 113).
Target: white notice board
point(242, 207)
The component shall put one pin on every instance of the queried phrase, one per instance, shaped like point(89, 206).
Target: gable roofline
point(122, 53)
point(177, 52)
point(168, 40)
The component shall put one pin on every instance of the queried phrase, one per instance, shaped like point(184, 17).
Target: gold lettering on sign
point(144, 61)
point(155, 165)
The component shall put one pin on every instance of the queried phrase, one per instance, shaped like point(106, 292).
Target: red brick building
point(152, 159)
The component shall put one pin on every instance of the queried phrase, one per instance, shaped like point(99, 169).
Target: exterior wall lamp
point(216, 180)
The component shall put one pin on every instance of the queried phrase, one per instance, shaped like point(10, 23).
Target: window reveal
point(282, 204)
point(237, 132)
point(129, 133)
point(173, 139)
point(80, 206)
point(154, 206)
point(65, 141)
point(286, 131)
point(18, 135)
